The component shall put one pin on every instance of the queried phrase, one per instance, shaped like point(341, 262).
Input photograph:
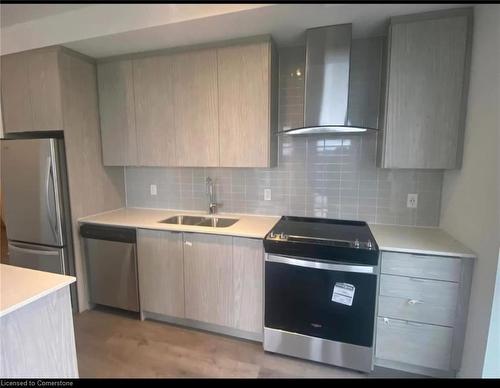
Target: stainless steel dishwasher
point(111, 265)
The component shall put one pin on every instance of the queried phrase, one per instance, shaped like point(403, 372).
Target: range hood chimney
point(342, 82)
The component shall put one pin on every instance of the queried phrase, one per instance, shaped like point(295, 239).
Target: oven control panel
point(356, 244)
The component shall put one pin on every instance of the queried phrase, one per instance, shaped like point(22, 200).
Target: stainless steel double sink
point(214, 222)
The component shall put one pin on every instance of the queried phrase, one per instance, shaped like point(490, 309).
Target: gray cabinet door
point(161, 272)
point(414, 343)
point(244, 74)
point(248, 279)
point(117, 113)
point(420, 300)
point(196, 108)
point(45, 90)
point(31, 91)
point(16, 104)
point(208, 277)
point(421, 266)
point(426, 92)
point(154, 111)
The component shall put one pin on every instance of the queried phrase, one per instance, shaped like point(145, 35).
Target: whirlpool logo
point(317, 325)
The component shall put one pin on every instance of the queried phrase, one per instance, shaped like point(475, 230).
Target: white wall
point(470, 199)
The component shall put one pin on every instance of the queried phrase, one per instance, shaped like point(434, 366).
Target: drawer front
point(402, 308)
point(415, 299)
point(427, 267)
point(416, 344)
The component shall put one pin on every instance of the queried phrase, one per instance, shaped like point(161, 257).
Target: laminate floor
point(111, 343)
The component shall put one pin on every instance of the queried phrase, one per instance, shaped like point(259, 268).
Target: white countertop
point(411, 239)
point(253, 226)
point(22, 286)
point(420, 240)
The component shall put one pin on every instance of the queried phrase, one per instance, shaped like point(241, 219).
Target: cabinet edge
point(461, 313)
point(57, 48)
point(180, 49)
point(439, 14)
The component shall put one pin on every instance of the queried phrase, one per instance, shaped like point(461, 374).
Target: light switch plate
point(267, 194)
point(153, 190)
point(412, 201)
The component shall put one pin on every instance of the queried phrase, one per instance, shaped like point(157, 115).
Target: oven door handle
point(320, 265)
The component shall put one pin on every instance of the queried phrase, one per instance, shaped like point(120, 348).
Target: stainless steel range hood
point(342, 82)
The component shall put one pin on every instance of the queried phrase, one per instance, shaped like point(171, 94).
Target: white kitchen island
point(37, 338)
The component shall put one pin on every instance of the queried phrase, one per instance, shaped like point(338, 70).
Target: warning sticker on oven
point(343, 293)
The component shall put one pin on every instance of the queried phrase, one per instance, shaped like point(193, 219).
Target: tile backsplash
point(332, 176)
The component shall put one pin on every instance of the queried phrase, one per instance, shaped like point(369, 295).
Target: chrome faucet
point(212, 204)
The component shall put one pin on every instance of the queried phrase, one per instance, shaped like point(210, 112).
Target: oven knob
point(369, 244)
point(283, 236)
point(272, 235)
point(356, 243)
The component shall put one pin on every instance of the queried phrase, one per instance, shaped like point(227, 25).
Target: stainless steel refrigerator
point(36, 205)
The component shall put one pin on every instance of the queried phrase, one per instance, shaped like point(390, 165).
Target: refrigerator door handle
point(32, 251)
point(50, 211)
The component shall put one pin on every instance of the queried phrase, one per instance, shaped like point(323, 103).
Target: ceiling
point(114, 29)
point(20, 13)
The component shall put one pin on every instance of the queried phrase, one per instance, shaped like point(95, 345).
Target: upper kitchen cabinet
point(196, 109)
point(117, 113)
point(427, 82)
point(137, 112)
point(204, 107)
point(31, 91)
point(246, 115)
point(154, 111)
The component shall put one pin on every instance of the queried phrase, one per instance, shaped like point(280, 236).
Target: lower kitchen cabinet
point(422, 267)
point(208, 272)
point(202, 279)
point(422, 311)
point(416, 299)
point(161, 272)
point(248, 279)
point(414, 343)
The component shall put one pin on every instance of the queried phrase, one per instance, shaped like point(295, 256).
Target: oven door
point(325, 300)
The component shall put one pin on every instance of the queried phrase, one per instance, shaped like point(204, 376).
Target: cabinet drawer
point(415, 299)
point(414, 343)
point(428, 267)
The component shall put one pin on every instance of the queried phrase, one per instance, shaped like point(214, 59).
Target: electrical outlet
point(412, 200)
point(153, 190)
point(267, 194)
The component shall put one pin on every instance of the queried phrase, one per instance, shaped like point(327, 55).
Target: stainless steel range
point(321, 280)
